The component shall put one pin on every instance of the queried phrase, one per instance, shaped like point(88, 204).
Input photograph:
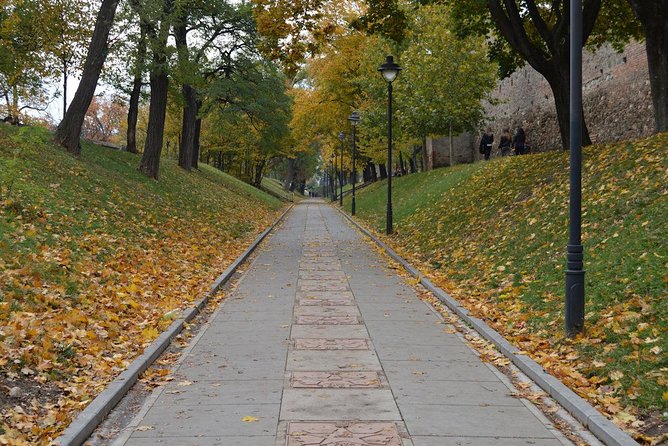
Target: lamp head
point(342, 136)
point(354, 118)
point(389, 70)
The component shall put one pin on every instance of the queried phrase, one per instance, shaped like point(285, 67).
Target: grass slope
point(275, 188)
point(95, 260)
point(494, 234)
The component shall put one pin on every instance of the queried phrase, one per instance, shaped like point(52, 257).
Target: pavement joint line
point(578, 407)
point(87, 420)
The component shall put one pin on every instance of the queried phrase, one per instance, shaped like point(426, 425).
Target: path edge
point(604, 429)
point(87, 421)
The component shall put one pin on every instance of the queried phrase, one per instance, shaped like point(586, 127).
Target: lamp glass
point(390, 75)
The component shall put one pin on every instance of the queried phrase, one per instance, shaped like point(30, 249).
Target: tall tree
point(138, 69)
point(208, 36)
point(69, 129)
point(445, 78)
point(67, 25)
point(158, 31)
point(653, 14)
point(22, 62)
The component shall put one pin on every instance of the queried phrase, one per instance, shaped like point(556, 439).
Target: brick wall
point(616, 96)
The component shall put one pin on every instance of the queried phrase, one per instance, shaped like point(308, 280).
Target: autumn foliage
point(494, 235)
point(95, 260)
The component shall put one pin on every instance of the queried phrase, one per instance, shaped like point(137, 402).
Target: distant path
point(323, 344)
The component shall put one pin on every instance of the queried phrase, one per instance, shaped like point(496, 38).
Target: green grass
point(275, 187)
point(495, 233)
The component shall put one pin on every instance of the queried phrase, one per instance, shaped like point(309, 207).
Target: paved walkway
point(323, 344)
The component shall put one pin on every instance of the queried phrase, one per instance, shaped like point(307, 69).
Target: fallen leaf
point(249, 419)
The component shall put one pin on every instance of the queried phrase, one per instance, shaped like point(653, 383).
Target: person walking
point(486, 143)
point(505, 142)
point(519, 141)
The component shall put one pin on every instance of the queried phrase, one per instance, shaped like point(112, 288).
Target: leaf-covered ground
point(95, 260)
point(494, 235)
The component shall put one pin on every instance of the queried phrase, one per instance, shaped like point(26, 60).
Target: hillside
point(494, 234)
point(94, 260)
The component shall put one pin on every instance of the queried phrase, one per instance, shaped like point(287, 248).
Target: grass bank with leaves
point(95, 260)
point(494, 234)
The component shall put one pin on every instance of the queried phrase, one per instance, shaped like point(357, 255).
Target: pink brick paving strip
point(327, 320)
point(341, 286)
point(335, 380)
point(331, 344)
point(326, 301)
point(343, 434)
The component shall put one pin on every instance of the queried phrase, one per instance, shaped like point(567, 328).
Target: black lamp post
point(354, 118)
point(575, 283)
point(390, 71)
point(332, 177)
point(342, 137)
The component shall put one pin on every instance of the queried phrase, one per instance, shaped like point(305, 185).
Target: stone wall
point(616, 96)
point(438, 150)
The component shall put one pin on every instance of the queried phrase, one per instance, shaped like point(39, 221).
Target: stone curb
point(87, 421)
point(604, 429)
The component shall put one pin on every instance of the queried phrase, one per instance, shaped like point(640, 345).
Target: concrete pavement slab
point(219, 420)
point(421, 371)
point(483, 441)
point(472, 421)
point(453, 393)
point(339, 404)
point(186, 393)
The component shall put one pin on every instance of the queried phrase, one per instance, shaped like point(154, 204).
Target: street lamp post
point(575, 283)
point(332, 178)
point(390, 71)
point(342, 137)
point(354, 118)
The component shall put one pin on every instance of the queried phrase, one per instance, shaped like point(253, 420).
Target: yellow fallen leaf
point(665, 396)
point(249, 419)
point(616, 375)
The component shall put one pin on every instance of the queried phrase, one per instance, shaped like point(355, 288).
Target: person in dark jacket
point(519, 141)
point(506, 141)
point(486, 143)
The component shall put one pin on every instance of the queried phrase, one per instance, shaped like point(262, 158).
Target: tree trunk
point(383, 171)
point(133, 107)
point(64, 88)
point(133, 114)
point(559, 80)
point(259, 173)
point(198, 132)
point(653, 15)
point(150, 162)
point(188, 128)
point(452, 161)
point(289, 174)
point(69, 129)
point(425, 160)
point(188, 124)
